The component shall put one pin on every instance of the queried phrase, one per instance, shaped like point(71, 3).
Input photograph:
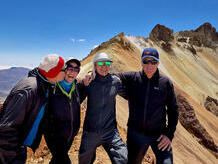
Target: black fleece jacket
point(20, 110)
point(150, 102)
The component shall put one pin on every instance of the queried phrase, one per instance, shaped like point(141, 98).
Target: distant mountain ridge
point(9, 77)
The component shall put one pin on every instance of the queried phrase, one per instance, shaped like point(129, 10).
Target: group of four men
point(48, 102)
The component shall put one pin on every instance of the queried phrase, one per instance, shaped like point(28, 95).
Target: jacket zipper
point(71, 112)
point(103, 99)
point(146, 103)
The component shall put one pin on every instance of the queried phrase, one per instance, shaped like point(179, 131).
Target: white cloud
point(81, 40)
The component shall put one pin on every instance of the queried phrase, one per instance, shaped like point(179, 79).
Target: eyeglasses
point(73, 69)
point(63, 70)
point(107, 63)
point(153, 62)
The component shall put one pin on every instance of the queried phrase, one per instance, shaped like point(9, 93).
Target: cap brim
point(75, 61)
point(148, 56)
point(103, 59)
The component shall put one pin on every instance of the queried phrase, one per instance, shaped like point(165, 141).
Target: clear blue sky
point(30, 29)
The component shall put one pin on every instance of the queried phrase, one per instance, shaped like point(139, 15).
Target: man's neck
point(149, 76)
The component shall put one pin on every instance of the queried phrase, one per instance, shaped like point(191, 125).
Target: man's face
point(72, 72)
point(103, 67)
point(149, 66)
point(60, 76)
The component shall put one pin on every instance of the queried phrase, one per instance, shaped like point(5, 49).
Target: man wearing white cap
point(100, 126)
point(24, 108)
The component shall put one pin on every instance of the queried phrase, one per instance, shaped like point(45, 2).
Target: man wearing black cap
point(63, 114)
point(151, 99)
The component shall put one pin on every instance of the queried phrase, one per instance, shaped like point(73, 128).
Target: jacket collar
point(154, 77)
point(103, 78)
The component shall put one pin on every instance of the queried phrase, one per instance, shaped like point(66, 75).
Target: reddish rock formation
point(161, 32)
point(211, 105)
point(205, 35)
point(189, 121)
point(166, 46)
point(208, 31)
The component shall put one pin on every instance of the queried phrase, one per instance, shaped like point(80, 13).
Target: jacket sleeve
point(120, 88)
point(125, 78)
point(11, 122)
point(172, 112)
point(82, 91)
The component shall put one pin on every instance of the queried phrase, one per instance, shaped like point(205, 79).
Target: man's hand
point(165, 143)
point(88, 78)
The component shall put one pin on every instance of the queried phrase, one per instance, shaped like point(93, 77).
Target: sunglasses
point(153, 62)
point(73, 69)
point(107, 63)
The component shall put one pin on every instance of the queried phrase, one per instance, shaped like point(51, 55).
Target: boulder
point(161, 32)
point(190, 122)
point(211, 105)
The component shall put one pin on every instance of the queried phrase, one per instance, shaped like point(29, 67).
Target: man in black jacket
point(151, 99)
point(63, 114)
point(24, 108)
point(100, 126)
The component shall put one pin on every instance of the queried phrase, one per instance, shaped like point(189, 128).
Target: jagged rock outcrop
point(205, 35)
point(166, 46)
point(189, 121)
point(208, 31)
point(161, 32)
point(211, 105)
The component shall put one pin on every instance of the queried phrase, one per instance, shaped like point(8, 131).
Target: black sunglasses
point(153, 62)
point(76, 69)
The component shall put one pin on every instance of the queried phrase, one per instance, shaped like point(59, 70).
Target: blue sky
point(31, 29)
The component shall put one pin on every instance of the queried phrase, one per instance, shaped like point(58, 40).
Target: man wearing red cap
point(24, 108)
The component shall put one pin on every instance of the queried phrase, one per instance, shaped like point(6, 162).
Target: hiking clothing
point(66, 85)
point(138, 144)
point(63, 121)
point(150, 101)
point(20, 111)
point(111, 142)
point(101, 103)
point(100, 126)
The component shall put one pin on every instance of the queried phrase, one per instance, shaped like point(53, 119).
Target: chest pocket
point(158, 95)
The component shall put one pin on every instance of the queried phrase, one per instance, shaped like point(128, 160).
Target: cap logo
point(147, 52)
